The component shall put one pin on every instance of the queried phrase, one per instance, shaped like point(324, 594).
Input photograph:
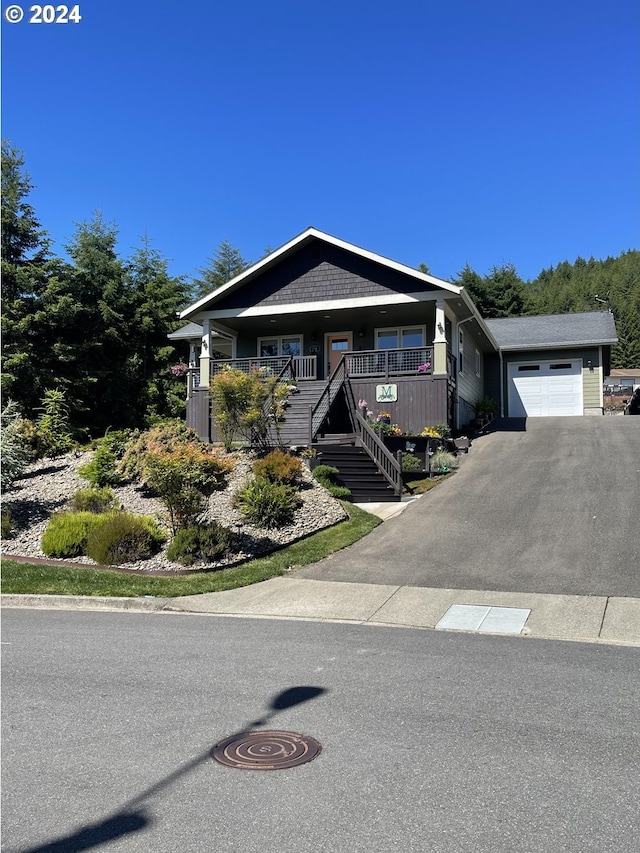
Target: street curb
point(83, 602)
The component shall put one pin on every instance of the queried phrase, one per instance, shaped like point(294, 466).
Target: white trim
point(326, 305)
point(327, 238)
point(601, 377)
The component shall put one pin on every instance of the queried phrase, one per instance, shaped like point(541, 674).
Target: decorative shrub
point(5, 522)
point(53, 426)
point(101, 470)
point(267, 504)
point(122, 537)
point(411, 462)
point(247, 405)
point(201, 543)
point(67, 533)
point(94, 500)
point(165, 436)
point(486, 407)
point(442, 462)
point(278, 467)
point(183, 477)
point(15, 455)
point(326, 476)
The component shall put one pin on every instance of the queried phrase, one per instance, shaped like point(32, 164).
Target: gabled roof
point(208, 302)
point(591, 328)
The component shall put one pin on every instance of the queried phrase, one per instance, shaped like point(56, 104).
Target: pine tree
point(158, 298)
point(26, 266)
point(225, 263)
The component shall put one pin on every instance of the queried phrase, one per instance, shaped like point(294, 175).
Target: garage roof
point(554, 330)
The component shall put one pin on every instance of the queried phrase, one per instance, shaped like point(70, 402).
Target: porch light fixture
point(590, 366)
point(362, 332)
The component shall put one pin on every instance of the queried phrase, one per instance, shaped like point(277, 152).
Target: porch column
point(440, 342)
point(205, 354)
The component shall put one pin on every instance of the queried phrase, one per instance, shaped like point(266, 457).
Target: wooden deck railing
point(303, 366)
point(389, 362)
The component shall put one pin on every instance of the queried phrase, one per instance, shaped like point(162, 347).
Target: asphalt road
point(430, 741)
point(552, 507)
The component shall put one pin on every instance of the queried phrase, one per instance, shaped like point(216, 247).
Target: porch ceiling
point(343, 319)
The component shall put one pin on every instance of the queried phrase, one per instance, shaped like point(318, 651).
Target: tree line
point(93, 327)
point(585, 285)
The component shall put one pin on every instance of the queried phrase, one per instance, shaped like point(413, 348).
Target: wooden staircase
point(294, 430)
point(357, 472)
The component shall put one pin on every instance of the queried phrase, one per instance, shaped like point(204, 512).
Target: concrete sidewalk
point(560, 617)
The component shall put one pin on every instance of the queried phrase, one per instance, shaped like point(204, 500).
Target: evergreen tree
point(158, 298)
point(86, 330)
point(225, 263)
point(26, 266)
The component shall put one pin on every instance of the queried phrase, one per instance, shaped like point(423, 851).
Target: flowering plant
point(436, 431)
point(180, 369)
point(380, 423)
point(423, 368)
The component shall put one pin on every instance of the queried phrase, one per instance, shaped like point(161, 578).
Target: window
point(402, 338)
point(283, 346)
point(478, 362)
point(460, 351)
point(523, 368)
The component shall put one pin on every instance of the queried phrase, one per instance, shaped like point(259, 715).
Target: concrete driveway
point(547, 505)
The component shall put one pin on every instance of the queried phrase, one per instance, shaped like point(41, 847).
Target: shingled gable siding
point(320, 272)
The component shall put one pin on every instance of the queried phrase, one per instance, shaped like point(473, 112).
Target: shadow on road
point(132, 818)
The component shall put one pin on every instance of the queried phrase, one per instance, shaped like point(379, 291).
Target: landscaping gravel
point(49, 485)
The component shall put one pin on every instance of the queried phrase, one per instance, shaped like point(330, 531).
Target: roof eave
point(309, 233)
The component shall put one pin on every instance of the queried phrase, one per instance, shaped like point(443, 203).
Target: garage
point(545, 388)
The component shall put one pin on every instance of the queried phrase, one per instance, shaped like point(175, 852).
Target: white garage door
point(543, 388)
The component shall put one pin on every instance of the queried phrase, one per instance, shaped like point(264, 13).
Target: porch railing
point(303, 366)
point(389, 362)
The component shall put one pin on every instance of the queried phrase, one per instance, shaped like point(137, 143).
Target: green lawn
point(76, 580)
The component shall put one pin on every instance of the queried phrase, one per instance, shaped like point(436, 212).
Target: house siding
point(319, 273)
point(422, 401)
point(470, 385)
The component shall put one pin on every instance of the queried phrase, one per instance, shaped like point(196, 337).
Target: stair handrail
point(384, 460)
point(319, 412)
point(388, 465)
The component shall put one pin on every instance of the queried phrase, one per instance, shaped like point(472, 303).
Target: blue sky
point(444, 132)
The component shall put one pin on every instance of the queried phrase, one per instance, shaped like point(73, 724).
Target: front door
point(337, 345)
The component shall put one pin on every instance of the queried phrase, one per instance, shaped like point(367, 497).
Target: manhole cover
point(265, 750)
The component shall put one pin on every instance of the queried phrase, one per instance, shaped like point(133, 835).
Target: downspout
point(502, 383)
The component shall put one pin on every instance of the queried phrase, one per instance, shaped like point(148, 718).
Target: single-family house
point(349, 325)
